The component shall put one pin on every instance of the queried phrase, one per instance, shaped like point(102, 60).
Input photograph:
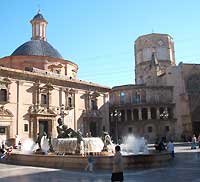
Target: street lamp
point(116, 115)
point(164, 115)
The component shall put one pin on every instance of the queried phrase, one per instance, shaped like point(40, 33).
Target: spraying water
point(28, 146)
point(134, 145)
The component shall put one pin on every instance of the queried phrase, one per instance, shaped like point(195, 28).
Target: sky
point(99, 35)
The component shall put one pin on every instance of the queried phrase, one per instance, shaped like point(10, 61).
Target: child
point(90, 161)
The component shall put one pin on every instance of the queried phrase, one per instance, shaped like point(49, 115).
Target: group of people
point(160, 146)
point(5, 151)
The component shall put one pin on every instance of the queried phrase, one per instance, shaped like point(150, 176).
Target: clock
point(160, 42)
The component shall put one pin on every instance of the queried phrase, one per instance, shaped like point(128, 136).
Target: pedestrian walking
point(194, 141)
point(170, 148)
point(117, 171)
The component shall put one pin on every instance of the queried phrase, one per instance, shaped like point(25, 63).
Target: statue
point(106, 140)
point(62, 129)
point(65, 132)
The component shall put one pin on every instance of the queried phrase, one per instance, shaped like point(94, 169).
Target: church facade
point(38, 86)
point(164, 102)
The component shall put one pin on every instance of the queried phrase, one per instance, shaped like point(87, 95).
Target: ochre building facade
point(38, 86)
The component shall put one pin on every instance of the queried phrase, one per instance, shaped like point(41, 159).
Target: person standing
point(170, 148)
point(117, 171)
point(194, 141)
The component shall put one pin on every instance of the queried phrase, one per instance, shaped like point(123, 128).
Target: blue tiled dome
point(36, 48)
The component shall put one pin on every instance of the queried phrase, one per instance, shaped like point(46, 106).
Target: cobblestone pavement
point(184, 168)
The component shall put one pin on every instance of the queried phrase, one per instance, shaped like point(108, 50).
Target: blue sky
point(99, 35)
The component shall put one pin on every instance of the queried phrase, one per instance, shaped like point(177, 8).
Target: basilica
point(38, 86)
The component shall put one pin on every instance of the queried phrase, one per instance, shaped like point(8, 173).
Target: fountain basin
point(69, 145)
point(78, 162)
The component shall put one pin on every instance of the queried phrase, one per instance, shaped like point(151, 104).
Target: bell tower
point(38, 27)
point(153, 54)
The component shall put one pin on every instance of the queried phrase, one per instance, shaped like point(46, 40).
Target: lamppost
point(164, 115)
point(116, 115)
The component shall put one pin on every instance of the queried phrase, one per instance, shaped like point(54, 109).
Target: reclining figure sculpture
point(65, 132)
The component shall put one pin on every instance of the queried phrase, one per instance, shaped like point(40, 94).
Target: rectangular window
point(2, 130)
point(150, 129)
point(130, 130)
point(167, 128)
point(94, 105)
point(3, 95)
point(25, 127)
point(43, 99)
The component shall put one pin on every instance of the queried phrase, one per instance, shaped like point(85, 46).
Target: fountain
point(69, 141)
point(71, 149)
point(132, 145)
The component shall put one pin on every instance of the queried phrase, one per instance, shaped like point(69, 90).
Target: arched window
point(143, 96)
point(136, 98)
point(122, 98)
point(129, 115)
point(135, 114)
point(153, 113)
point(37, 29)
point(144, 114)
point(69, 102)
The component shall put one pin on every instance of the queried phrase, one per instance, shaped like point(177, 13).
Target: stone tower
point(153, 54)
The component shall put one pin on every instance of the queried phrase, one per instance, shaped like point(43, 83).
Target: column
point(157, 113)
point(140, 113)
point(132, 115)
point(149, 113)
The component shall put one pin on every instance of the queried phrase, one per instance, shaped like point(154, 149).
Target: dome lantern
point(38, 27)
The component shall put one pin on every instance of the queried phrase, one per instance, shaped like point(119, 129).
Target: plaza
point(184, 168)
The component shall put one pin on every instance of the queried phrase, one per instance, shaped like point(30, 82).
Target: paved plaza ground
point(184, 168)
